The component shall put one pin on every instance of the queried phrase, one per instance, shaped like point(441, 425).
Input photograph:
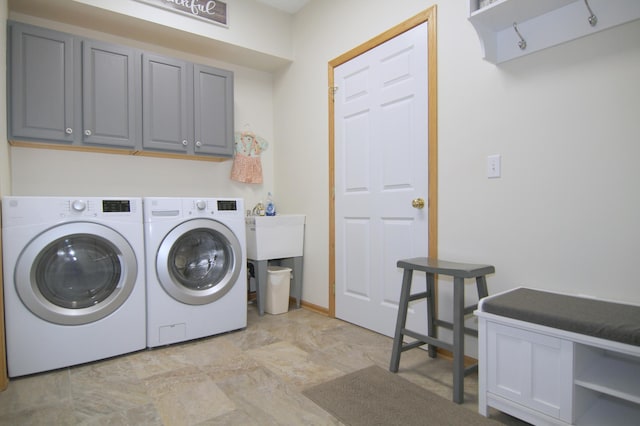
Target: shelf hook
point(522, 44)
point(593, 19)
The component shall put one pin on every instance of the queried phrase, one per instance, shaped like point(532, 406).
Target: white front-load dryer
point(196, 268)
point(74, 286)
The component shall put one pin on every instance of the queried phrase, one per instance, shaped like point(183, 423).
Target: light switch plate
point(494, 166)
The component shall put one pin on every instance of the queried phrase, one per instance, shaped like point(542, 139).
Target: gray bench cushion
point(606, 320)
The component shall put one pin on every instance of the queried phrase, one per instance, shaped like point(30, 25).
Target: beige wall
point(564, 215)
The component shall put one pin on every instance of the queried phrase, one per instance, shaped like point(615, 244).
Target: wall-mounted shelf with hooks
point(509, 29)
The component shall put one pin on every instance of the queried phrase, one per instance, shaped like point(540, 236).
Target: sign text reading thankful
point(210, 10)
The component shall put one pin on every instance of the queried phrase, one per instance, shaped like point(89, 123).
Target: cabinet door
point(41, 84)
point(531, 369)
point(213, 110)
point(110, 95)
point(166, 99)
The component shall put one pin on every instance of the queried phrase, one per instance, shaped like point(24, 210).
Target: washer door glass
point(199, 261)
point(76, 273)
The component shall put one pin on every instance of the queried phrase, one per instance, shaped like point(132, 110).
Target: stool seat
point(432, 267)
point(443, 267)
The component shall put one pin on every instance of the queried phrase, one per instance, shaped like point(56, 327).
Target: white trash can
point(278, 284)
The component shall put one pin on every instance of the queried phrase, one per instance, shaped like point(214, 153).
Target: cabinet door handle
point(68, 130)
point(198, 144)
point(185, 143)
point(87, 132)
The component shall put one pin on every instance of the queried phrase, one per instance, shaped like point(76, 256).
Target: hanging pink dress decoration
point(247, 167)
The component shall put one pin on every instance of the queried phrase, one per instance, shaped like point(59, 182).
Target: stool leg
point(481, 283)
point(432, 331)
point(403, 306)
point(458, 340)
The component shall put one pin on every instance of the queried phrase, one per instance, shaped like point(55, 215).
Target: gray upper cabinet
point(111, 102)
point(165, 105)
point(41, 86)
point(85, 93)
point(187, 108)
point(213, 110)
point(70, 90)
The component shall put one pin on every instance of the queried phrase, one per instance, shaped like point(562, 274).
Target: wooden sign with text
point(209, 10)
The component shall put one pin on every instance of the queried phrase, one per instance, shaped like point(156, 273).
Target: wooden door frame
point(428, 15)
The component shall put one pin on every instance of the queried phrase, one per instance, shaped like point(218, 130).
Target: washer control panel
point(116, 206)
point(95, 206)
point(21, 209)
point(227, 205)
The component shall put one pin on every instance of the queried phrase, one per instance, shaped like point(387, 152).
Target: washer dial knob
point(201, 205)
point(79, 205)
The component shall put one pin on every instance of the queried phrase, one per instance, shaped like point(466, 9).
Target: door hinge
point(332, 92)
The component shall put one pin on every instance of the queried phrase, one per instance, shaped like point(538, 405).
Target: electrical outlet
point(493, 166)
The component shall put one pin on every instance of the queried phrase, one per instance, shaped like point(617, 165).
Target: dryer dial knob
point(201, 205)
point(79, 205)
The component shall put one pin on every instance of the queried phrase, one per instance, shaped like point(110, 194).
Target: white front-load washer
point(74, 285)
point(196, 268)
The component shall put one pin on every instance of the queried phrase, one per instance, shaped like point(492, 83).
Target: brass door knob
point(417, 203)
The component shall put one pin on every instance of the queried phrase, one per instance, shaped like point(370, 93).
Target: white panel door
point(381, 165)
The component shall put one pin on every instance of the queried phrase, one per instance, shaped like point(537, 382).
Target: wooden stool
point(459, 271)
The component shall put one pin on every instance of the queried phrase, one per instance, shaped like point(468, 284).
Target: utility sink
point(275, 237)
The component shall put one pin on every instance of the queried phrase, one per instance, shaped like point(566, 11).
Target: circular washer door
point(76, 273)
point(199, 261)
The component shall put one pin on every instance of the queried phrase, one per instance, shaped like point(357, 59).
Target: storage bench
point(551, 358)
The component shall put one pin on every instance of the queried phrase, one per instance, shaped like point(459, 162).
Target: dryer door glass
point(200, 259)
point(78, 271)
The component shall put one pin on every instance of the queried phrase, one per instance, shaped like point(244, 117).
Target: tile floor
point(249, 377)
